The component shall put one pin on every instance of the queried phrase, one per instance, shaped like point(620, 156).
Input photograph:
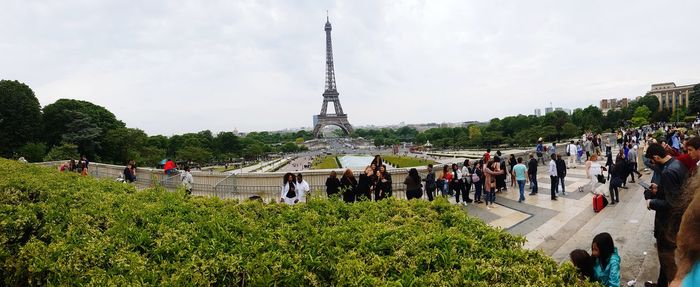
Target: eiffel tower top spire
point(330, 70)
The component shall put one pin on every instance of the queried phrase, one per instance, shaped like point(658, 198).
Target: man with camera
point(663, 197)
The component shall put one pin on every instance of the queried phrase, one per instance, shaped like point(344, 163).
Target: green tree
point(194, 154)
point(588, 119)
point(570, 130)
point(641, 116)
point(678, 115)
point(63, 152)
point(82, 132)
point(557, 119)
point(694, 100)
point(20, 117)
point(59, 115)
point(124, 144)
point(651, 102)
point(33, 152)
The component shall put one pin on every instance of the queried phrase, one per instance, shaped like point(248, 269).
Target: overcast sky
point(183, 66)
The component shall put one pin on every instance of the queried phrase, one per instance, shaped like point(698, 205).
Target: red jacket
point(169, 165)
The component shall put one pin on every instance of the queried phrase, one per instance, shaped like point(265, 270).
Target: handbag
point(601, 178)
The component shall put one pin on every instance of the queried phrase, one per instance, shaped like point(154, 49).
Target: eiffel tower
point(338, 119)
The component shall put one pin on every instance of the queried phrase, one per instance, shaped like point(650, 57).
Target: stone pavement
point(558, 227)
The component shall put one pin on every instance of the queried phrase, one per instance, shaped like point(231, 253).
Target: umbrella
point(162, 162)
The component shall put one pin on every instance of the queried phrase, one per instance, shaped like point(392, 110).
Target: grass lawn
point(325, 162)
point(405, 161)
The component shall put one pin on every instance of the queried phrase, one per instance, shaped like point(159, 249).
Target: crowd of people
point(80, 166)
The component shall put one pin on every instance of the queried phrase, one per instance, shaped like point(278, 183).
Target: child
point(584, 264)
point(607, 263)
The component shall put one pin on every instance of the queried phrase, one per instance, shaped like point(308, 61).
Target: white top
point(594, 170)
point(571, 149)
point(459, 174)
point(283, 195)
point(187, 180)
point(302, 190)
point(552, 168)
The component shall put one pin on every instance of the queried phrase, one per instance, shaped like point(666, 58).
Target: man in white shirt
point(187, 180)
point(302, 187)
point(553, 176)
point(571, 152)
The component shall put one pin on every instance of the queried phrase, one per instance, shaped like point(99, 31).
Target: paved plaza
point(558, 227)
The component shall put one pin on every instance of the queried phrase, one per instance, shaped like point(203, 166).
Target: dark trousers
point(667, 263)
point(533, 183)
point(456, 188)
point(563, 186)
point(554, 184)
point(478, 187)
point(633, 170)
point(414, 194)
point(614, 193)
point(467, 189)
point(430, 191)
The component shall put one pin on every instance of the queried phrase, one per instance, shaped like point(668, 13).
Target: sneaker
point(554, 198)
point(469, 200)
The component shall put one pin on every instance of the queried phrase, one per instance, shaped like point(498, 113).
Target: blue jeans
point(491, 196)
point(533, 183)
point(521, 185)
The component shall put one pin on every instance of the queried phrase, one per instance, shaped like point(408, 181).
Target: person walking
point(430, 184)
point(616, 173)
point(540, 151)
point(532, 174)
point(187, 180)
point(632, 162)
point(553, 177)
point(571, 154)
point(561, 173)
point(520, 173)
point(413, 185)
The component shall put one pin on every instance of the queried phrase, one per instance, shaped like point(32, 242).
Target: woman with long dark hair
point(348, 185)
point(607, 263)
point(413, 185)
point(512, 162)
point(616, 173)
point(377, 162)
point(490, 172)
point(332, 184)
point(688, 238)
point(584, 264)
point(364, 185)
point(478, 185)
point(380, 185)
point(289, 194)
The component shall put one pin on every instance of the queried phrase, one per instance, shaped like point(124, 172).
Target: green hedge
point(325, 162)
point(63, 229)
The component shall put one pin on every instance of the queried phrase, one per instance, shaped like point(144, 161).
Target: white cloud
point(182, 66)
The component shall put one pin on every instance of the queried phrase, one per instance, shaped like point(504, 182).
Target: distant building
point(613, 104)
point(548, 110)
point(538, 112)
point(671, 96)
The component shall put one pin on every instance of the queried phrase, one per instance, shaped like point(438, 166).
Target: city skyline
point(246, 65)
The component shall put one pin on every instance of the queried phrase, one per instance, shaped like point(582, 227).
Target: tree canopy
point(20, 117)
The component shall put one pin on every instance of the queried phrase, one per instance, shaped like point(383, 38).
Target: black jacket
point(561, 167)
point(668, 218)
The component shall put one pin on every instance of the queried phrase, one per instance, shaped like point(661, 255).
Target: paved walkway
point(558, 227)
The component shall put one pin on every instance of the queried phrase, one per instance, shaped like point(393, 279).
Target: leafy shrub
point(63, 229)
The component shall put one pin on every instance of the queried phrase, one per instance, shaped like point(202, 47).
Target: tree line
point(522, 130)
point(69, 128)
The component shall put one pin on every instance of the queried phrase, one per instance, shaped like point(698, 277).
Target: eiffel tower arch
point(339, 118)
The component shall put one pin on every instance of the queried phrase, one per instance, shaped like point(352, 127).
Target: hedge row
point(63, 229)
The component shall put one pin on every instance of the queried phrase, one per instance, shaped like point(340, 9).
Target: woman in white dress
point(593, 169)
point(289, 193)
